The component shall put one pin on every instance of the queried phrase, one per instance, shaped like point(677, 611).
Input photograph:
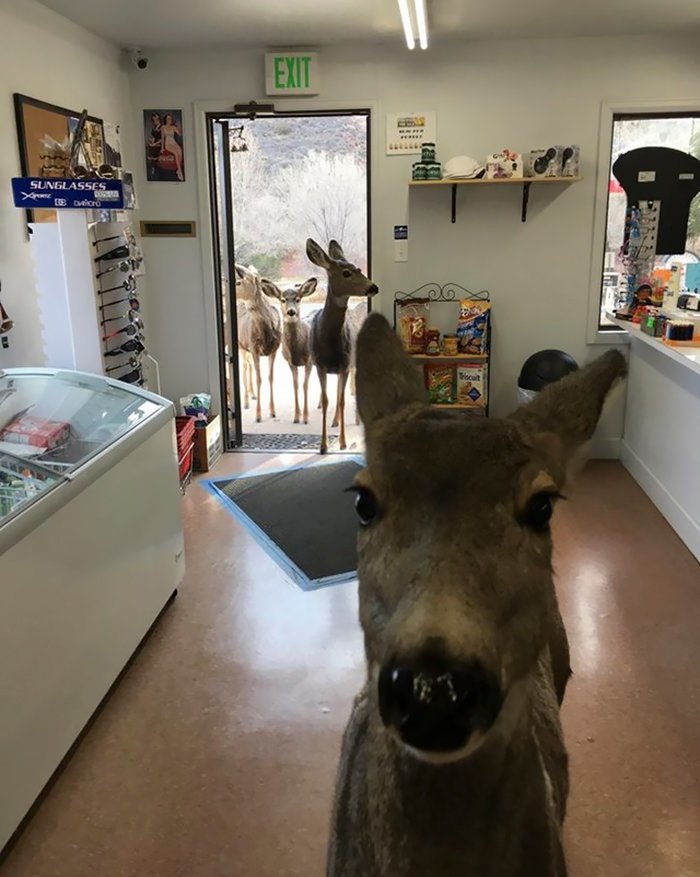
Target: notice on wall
point(400, 243)
point(406, 131)
point(290, 73)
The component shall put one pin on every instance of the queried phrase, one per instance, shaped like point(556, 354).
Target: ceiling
point(168, 24)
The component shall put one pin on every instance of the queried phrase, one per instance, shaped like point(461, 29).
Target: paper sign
point(405, 132)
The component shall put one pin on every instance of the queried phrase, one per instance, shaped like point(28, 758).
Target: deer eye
point(538, 512)
point(366, 506)
point(347, 273)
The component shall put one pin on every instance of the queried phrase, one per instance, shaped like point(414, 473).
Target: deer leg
point(258, 381)
point(246, 381)
point(307, 375)
point(337, 404)
point(353, 392)
point(322, 376)
point(272, 391)
point(342, 381)
point(295, 379)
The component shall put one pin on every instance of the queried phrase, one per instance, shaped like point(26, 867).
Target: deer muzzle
point(436, 707)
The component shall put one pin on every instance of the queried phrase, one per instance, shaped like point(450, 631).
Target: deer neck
point(333, 313)
point(262, 306)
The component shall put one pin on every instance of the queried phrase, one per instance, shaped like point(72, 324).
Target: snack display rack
point(444, 303)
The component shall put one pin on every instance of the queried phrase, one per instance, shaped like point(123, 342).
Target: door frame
point(202, 111)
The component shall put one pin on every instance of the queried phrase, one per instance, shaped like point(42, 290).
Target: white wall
point(488, 95)
point(47, 57)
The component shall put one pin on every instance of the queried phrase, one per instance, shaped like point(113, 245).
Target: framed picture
point(164, 145)
point(44, 133)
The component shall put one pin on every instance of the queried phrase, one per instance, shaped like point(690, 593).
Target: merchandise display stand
point(447, 299)
point(86, 313)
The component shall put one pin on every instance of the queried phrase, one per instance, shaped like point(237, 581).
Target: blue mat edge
point(266, 543)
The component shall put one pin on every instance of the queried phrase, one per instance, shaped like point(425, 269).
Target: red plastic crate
point(184, 430)
point(185, 463)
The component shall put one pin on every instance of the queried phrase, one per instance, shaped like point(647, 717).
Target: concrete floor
point(216, 754)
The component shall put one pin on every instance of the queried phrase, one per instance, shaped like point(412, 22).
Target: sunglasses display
point(126, 265)
point(129, 285)
point(122, 252)
point(134, 303)
point(132, 377)
point(127, 235)
point(131, 315)
point(131, 330)
point(133, 345)
point(132, 362)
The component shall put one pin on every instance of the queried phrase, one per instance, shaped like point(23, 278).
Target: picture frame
point(164, 146)
point(44, 133)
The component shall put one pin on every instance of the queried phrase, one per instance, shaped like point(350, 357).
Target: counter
point(661, 438)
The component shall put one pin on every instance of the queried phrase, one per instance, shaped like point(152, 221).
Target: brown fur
point(331, 335)
point(259, 334)
point(450, 559)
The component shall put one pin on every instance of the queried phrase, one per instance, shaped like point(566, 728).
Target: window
point(632, 131)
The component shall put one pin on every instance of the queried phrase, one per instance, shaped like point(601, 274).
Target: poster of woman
point(165, 157)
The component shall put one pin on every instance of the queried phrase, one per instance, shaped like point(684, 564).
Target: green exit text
point(292, 72)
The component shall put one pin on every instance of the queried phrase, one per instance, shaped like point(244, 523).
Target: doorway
point(277, 179)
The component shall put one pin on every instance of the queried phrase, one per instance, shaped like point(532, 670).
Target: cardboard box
point(208, 444)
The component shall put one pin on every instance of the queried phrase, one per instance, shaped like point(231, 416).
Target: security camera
point(138, 59)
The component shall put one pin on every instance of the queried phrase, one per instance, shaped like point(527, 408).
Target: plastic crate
point(185, 463)
point(184, 430)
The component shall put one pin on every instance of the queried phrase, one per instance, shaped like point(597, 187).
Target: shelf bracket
point(526, 198)
point(454, 203)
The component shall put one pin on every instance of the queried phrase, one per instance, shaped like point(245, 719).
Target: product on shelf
point(440, 383)
point(504, 165)
point(413, 323)
point(35, 431)
point(472, 328)
point(570, 161)
point(471, 384)
point(545, 162)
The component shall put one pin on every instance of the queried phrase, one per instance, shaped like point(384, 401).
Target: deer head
point(456, 593)
point(291, 296)
point(248, 285)
point(344, 278)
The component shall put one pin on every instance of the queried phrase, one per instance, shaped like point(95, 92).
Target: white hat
point(461, 167)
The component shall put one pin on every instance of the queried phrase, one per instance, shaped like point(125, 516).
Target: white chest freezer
point(91, 550)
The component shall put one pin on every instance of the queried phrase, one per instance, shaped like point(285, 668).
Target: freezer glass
point(56, 422)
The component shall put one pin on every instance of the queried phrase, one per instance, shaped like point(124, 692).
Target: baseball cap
point(462, 167)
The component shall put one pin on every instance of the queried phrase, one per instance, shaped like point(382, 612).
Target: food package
point(545, 162)
point(472, 384)
point(413, 324)
point(197, 405)
point(36, 431)
point(440, 383)
point(473, 326)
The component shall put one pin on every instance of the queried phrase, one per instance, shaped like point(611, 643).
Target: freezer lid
point(52, 422)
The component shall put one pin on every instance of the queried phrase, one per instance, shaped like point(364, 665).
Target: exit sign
point(291, 73)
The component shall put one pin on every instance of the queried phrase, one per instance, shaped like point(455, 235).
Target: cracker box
point(473, 326)
point(472, 382)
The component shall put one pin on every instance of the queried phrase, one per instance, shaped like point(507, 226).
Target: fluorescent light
point(422, 22)
point(407, 25)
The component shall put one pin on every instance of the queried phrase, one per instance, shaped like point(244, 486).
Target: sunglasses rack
point(119, 270)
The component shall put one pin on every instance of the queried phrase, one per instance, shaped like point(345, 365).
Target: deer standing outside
point(296, 335)
point(331, 338)
point(259, 332)
point(453, 761)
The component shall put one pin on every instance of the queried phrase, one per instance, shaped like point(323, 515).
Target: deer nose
point(436, 708)
point(291, 312)
point(373, 290)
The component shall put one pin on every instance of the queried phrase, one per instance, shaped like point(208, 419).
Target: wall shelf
point(525, 182)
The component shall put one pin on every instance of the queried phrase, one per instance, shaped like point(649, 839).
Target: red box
point(36, 431)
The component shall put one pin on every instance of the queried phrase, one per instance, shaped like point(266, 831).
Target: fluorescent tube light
point(422, 22)
point(407, 25)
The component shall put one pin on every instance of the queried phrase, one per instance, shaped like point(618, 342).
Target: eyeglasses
point(127, 234)
point(122, 252)
point(130, 330)
point(133, 377)
point(132, 362)
point(133, 345)
point(134, 303)
point(127, 265)
point(132, 315)
point(129, 285)
point(104, 172)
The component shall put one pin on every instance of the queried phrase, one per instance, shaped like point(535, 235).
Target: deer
point(296, 333)
point(259, 332)
point(453, 762)
point(331, 336)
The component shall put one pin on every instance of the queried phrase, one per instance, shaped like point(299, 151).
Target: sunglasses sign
point(58, 193)
point(289, 73)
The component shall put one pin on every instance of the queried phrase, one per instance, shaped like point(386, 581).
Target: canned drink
point(428, 151)
point(420, 171)
point(433, 170)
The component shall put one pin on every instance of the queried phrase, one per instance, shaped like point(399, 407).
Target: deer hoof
point(343, 446)
point(324, 449)
point(258, 419)
point(296, 420)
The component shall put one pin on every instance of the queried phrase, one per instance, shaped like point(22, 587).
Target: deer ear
point(308, 287)
point(241, 273)
point(317, 254)
point(335, 251)
point(570, 408)
point(270, 289)
point(387, 381)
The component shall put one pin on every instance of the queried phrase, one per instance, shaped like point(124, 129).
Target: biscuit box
point(208, 444)
point(472, 382)
point(473, 326)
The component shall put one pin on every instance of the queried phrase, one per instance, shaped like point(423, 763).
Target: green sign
point(291, 73)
